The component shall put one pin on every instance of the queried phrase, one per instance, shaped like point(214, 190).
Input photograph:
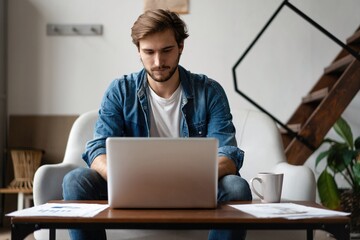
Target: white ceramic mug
point(271, 186)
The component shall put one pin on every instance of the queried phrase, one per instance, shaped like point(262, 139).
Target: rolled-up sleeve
point(221, 126)
point(109, 123)
point(234, 153)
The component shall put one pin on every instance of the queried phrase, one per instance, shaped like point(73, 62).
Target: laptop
point(162, 172)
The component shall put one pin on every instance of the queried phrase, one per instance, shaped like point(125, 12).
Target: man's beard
point(166, 77)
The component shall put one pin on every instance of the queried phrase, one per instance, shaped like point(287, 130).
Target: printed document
point(61, 210)
point(286, 210)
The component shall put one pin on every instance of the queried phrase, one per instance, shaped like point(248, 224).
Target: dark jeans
point(87, 184)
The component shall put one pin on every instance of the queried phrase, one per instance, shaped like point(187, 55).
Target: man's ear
point(181, 47)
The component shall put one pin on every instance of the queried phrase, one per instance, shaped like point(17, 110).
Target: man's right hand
point(99, 165)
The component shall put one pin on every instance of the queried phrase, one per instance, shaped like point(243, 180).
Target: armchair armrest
point(299, 182)
point(48, 182)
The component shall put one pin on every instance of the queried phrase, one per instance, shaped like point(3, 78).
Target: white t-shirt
point(165, 114)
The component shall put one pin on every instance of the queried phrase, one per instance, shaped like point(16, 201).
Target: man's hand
point(226, 166)
point(99, 165)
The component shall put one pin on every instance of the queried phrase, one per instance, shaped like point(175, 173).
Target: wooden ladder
point(324, 104)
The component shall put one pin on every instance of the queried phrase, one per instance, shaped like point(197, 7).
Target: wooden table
point(224, 217)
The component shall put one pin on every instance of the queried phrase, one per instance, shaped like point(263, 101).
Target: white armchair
point(257, 135)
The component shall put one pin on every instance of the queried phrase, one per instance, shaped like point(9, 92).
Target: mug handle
point(253, 188)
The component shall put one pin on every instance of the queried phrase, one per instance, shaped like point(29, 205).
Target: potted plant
point(342, 158)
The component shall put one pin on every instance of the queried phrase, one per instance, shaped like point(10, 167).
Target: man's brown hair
point(153, 21)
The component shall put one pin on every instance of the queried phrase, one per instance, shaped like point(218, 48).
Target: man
point(162, 100)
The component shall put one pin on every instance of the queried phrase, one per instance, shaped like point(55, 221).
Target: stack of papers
point(60, 210)
point(286, 210)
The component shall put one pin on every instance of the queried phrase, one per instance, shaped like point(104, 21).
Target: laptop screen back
point(162, 172)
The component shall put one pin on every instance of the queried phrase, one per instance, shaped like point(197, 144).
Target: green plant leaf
point(348, 157)
point(321, 156)
point(329, 140)
point(356, 170)
point(357, 143)
point(343, 129)
point(336, 158)
point(328, 190)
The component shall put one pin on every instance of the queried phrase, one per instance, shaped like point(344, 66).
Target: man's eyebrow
point(164, 48)
point(168, 47)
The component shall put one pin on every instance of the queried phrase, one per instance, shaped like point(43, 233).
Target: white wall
point(68, 75)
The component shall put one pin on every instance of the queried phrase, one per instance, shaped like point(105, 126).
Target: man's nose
point(158, 59)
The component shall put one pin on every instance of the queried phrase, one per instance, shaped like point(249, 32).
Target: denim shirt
point(124, 112)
